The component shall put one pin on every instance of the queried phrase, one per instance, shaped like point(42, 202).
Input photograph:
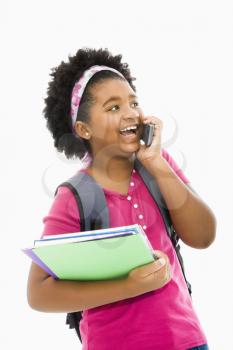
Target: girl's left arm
point(192, 218)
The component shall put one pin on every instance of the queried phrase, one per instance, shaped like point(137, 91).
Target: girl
point(93, 113)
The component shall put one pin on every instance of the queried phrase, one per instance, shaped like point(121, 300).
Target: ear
point(83, 130)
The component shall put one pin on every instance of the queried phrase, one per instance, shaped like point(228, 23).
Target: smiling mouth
point(129, 130)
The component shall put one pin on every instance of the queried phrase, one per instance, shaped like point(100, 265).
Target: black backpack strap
point(153, 188)
point(73, 319)
point(94, 215)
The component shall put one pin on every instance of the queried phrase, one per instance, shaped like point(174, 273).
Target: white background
point(181, 53)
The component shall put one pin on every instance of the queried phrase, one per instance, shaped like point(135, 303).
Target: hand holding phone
point(147, 134)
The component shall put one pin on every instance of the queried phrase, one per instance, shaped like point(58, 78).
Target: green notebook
point(95, 258)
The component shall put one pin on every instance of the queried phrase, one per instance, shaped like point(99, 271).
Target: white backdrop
point(181, 53)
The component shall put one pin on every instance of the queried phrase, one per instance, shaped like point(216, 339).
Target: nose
point(130, 114)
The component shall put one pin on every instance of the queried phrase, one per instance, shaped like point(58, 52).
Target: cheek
point(100, 131)
point(107, 129)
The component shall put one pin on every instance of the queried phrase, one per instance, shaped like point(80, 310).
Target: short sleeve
point(174, 166)
point(63, 216)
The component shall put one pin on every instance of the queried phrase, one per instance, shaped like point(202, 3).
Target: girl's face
point(116, 107)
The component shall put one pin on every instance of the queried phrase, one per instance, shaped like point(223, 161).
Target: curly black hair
point(57, 102)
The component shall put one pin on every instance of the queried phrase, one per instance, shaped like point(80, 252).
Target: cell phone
point(147, 134)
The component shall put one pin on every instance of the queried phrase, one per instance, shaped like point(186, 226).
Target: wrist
point(156, 166)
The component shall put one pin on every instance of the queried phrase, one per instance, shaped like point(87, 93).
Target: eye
point(113, 107)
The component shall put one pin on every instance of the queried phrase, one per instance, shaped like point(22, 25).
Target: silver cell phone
point(147, 134)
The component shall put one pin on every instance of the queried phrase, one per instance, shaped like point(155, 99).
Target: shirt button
point(131, 183)
point(135, 205)
point(134, 170)
point(129, 198)
point(140, 216)
point(144, 227)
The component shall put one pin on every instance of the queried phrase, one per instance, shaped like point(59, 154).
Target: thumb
point(152, 267)
point(157, 254)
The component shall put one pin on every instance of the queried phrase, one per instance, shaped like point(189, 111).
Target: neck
point(115, 169)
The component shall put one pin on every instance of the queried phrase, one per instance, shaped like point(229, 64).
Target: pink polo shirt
point(163, 319)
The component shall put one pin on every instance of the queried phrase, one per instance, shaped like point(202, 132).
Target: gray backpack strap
point(90, 200)
point(153, 188)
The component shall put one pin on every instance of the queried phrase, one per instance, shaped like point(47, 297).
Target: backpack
point(94, 215)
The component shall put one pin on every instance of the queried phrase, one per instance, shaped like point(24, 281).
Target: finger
point(155, 266)
point(160, 254)
point(153, 120)
point(168, 273)
point(156, 136)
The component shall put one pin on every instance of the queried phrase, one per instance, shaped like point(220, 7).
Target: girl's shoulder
point(63, 215)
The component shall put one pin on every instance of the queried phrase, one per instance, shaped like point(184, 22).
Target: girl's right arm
point(46, 294)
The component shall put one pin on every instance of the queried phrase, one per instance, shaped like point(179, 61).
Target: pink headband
point(79, 87)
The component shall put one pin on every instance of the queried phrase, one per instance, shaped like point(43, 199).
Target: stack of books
point(93, 255)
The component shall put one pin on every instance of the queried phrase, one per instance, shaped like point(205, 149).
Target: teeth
point(129, 128)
